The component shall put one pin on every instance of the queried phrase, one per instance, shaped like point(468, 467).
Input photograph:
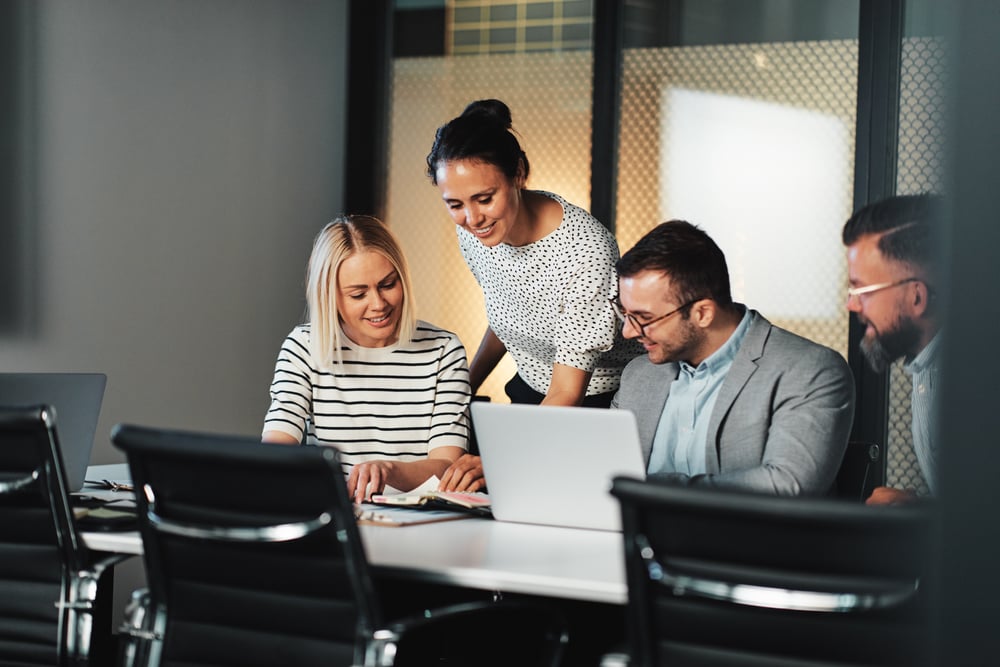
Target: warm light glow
point(753, 174)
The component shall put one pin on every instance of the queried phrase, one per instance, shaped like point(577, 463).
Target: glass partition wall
point(536, 57)
point(737, 115)
point(920, 156)
point(753, 140)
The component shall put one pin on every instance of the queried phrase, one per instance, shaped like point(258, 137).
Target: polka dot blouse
point(548, 301)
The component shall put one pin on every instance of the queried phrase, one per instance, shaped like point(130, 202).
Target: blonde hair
point(340, 239)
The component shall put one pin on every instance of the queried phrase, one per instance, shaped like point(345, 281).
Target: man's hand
point(465, 474)
point(884, 495)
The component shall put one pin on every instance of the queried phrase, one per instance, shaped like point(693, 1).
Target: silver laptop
point(554, 465)
point(77, 399)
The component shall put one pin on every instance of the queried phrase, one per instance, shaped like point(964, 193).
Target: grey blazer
point(781, 421)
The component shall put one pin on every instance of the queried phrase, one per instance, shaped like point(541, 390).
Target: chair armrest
point(85, 582)
point(97, 568)
point(841, 594)
point(80, 603)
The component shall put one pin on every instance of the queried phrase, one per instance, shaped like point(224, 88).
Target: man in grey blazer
point(724, 398)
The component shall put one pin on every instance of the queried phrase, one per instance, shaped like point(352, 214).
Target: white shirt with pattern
point(547, 301)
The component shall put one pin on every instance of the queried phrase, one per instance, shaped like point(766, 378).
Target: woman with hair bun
point(363, 374)
point(546, 268)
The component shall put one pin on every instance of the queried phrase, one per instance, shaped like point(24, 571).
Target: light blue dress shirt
point(924, 371)
point(681, 435)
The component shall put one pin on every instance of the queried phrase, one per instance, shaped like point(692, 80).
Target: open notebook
point(554, 465)
point(424, 504)
point(427, 493)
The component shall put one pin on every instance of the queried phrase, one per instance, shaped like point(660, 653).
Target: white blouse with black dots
point(548, 301)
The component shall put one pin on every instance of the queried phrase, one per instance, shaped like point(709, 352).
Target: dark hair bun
point(483, 132)
point(495, 110)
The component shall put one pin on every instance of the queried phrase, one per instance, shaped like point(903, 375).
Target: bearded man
point(891, 273)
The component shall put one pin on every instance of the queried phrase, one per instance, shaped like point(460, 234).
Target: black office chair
point(48, 579)
point(253, 557)
point(738, 580)
point(862, 469)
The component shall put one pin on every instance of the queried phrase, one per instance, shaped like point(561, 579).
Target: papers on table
point(428, 492)
point(423, 504)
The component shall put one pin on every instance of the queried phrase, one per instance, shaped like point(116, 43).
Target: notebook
point(76, 398)
point(554, 465)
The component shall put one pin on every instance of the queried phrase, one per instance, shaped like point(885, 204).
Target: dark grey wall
point(183, 154)
point(968, 587)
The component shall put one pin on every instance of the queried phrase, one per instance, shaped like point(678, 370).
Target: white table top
point(474, 553)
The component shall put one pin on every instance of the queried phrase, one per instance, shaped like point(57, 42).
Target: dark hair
point(906, 226)
point(692, 260)
point(483, 132)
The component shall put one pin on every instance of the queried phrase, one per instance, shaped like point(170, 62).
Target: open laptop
point(76, 398)
point(554, 465)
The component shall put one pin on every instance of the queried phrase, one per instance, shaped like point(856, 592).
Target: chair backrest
point(252, 552)
point(40, 550)
point(862, 469)
point(728, 579)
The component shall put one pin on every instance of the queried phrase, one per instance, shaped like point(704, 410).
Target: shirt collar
point(926, 359)
point(724, 356)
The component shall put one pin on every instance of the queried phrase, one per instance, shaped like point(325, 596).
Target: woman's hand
point(368, 478)
point(465, 474)
point(568, 386)
point(490, 352)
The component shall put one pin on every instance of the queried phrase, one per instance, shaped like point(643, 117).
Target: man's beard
point(684, 344)
point(884, 348)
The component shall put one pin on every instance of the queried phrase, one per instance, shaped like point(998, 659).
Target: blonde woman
point(363, 374)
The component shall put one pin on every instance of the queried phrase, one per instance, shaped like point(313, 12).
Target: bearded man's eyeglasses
point(878, 287)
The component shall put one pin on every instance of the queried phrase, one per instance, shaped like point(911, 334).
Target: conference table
point(580, 571)
point(476, 553)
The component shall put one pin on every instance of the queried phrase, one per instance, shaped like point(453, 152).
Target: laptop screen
point(554, 465)
point(77, 399)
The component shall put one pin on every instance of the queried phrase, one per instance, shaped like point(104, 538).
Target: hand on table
point(366, 479)
point(465, 474)
point(884, 495)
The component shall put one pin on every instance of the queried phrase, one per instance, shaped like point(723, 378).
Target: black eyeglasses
point(641, 326)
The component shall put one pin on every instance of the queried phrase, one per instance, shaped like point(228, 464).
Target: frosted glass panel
point(748, 147)
point(921, 155)
point(755, 144)
point(549, 96)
